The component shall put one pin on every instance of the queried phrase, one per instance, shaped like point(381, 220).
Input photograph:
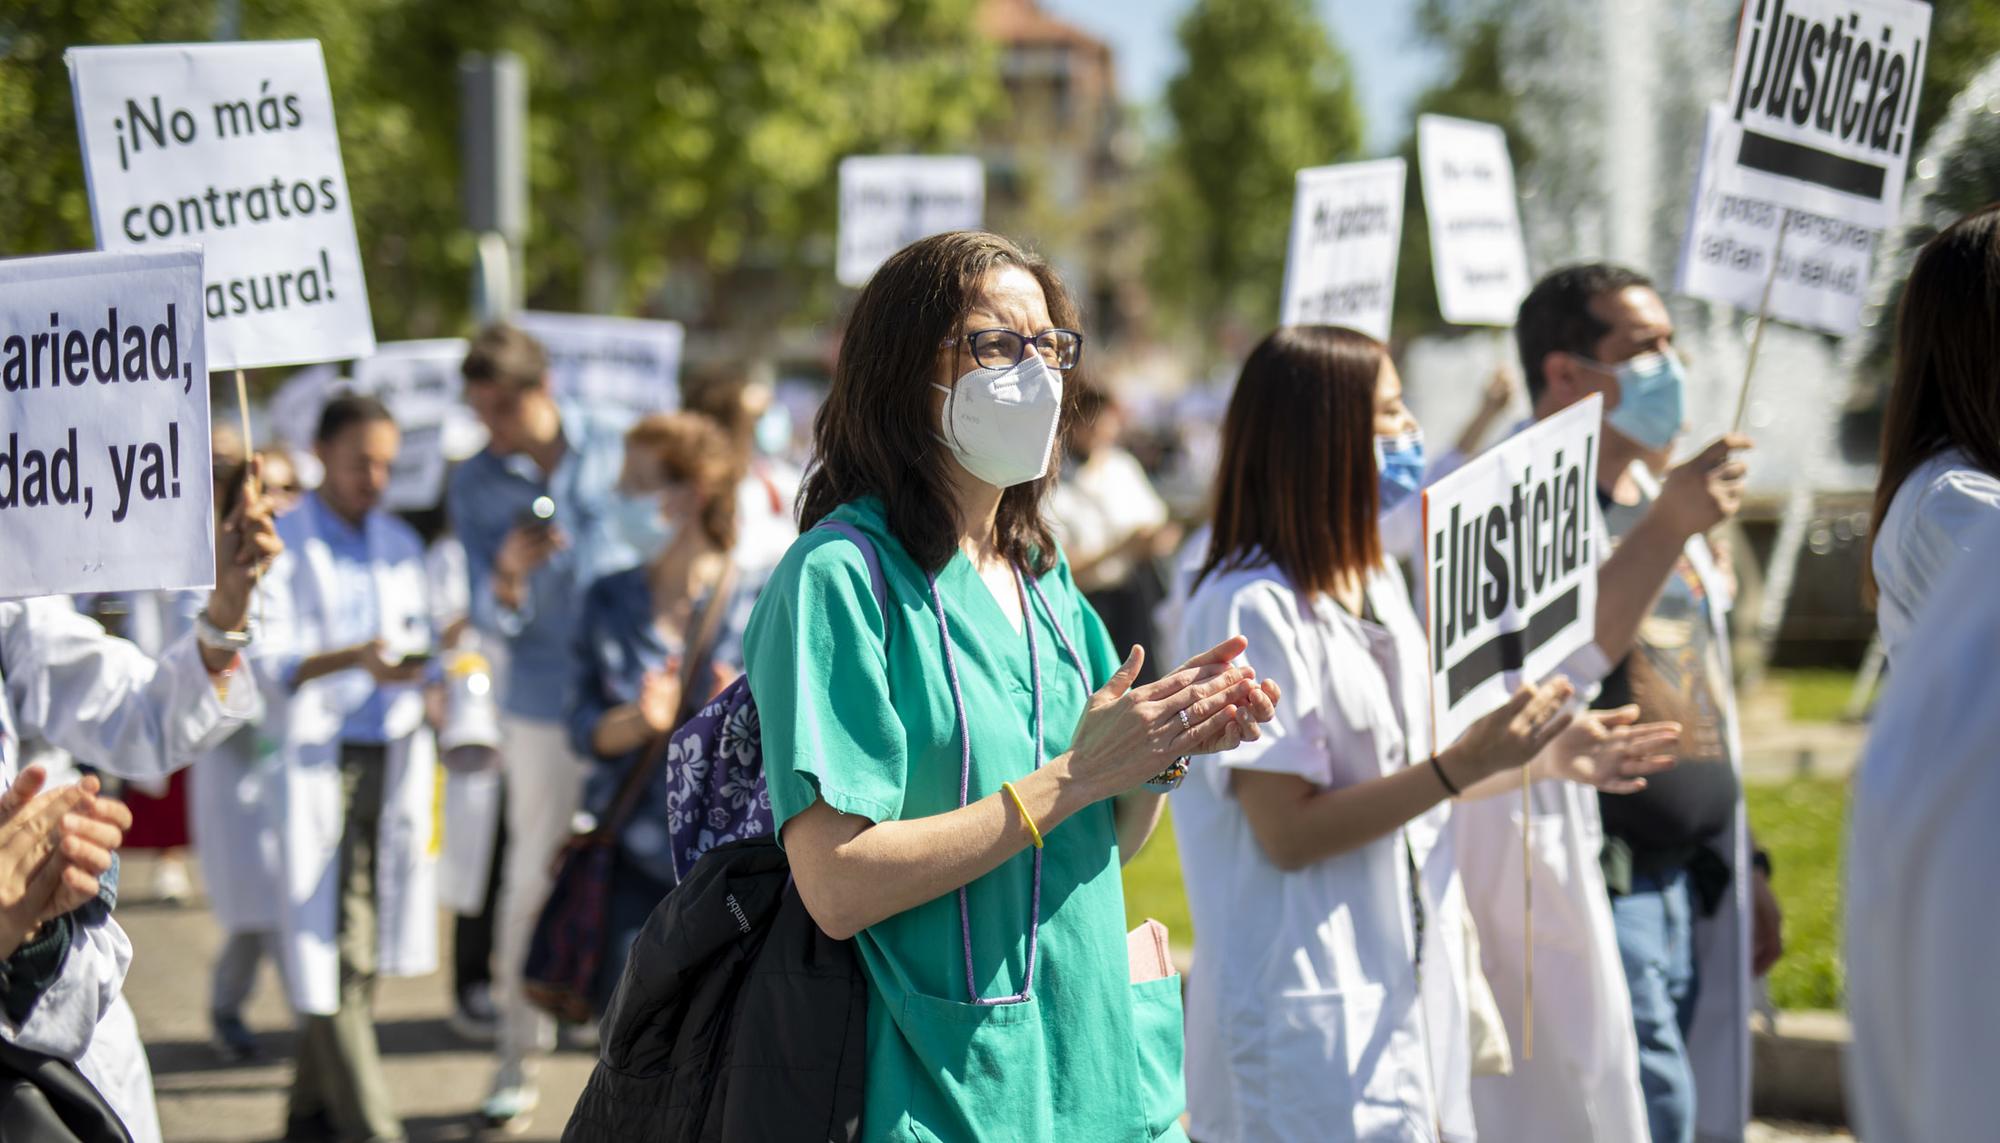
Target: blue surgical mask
point(640, 523)
point(1400, 460)
point(1651, 391)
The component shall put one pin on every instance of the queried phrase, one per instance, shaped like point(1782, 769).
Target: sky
point(1376, 34)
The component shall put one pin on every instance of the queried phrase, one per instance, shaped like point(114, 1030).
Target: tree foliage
point(683, 142)
point(1264, 91)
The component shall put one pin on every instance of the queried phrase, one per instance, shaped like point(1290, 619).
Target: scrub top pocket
point(989, 1062)
point(1157, 1039)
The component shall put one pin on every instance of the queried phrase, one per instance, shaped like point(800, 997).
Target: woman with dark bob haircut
point(957, 776)
point(1331, 983)
point(1940, 474)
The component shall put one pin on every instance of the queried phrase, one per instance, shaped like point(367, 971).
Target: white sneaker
point(510, 1107)
point(170, 881)
point(582, 1037)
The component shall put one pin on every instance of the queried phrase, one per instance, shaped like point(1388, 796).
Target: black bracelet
point(1437, 768)
point(1760, 860)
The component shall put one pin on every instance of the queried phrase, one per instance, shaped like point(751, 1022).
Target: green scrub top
point(856, 710)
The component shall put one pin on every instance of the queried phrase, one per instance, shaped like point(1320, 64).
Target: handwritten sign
point(1477, 251)
point(630, 363)
point(1822, 275)
point(1347, 229)
point(890, 201)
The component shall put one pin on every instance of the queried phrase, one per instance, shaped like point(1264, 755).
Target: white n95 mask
point(1001, 423)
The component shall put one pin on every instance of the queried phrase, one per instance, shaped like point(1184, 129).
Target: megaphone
point(470, 740)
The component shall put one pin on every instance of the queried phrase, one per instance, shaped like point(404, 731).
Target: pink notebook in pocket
point(1147, 948)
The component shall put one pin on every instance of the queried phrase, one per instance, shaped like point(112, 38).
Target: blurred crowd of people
point(511, 663)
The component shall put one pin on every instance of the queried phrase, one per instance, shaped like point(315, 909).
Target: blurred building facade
point(1061, 154)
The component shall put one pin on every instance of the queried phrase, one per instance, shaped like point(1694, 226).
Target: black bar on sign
point(1508, 650)
point(1798, 161)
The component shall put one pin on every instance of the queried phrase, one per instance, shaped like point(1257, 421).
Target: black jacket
point(736, 1018)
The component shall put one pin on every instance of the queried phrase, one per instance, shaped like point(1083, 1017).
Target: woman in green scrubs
point(957, 776)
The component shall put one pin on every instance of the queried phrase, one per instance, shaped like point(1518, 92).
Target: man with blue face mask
point(1676, 860)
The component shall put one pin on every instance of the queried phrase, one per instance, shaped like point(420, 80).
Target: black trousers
point(472, 937)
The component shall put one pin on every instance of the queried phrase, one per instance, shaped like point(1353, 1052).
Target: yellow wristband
point(1026, 819)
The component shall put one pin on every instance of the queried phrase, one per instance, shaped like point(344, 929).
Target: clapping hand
point(53, 848)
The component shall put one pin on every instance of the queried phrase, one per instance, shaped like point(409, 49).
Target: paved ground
point(437, 1080)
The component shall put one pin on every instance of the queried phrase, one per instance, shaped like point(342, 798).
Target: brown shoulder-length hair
point(1946, 391)
point(694, 450)
point(876, 435)
point(1297, 480)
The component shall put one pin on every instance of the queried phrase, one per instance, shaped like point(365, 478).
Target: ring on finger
point(1187, 724)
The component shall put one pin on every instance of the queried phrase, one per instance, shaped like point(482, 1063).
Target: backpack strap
point(867, 546)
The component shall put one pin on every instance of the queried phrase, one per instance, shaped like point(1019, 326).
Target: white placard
point(1726, 255)
point(421, 384)
point(1510, 557)
point(1347, 230)
point(1477, 252)
point(1823, 105)
point(890, 201)
point(293, 411)
point(629, 363)
point(105, 478)
point(230, 147)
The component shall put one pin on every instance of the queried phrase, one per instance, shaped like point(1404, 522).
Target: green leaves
point(1264, 92)
point(692, 137)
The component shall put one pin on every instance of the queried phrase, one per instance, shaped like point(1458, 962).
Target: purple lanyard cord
point(1025, 586)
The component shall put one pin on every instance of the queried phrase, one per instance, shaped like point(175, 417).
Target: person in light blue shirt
point(536, 511)
point(350, 800)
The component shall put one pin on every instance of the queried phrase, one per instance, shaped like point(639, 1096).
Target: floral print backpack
point(715, 760)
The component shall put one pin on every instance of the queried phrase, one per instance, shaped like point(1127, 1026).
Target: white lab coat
point(1305, 1015)
point(1930, 523)
point(1583, 1084)
point(303, 797)
point(1920, 923)
point(233, 841)
point(65, 681)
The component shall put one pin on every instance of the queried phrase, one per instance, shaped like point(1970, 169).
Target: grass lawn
point(1803, 823)
point(1816, 694)
point(1800, 822)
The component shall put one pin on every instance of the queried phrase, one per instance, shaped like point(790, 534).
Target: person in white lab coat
point(347, 636)
point(1330, 990)
point(1940, 473)
point(66, 682)
point(1685, 895)
point(1920, 928)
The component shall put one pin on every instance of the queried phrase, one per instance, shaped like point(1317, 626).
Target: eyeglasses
point(1004, 349)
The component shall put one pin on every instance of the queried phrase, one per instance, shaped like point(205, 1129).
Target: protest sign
point(890, 201)
point(230, 147)
point(293, 411)
point(1823, 103)
point(1347, 229)
point(629, 363)
point(1477, 251)
point(1511, 552)
point(420, 383)
point(1726, 255)
point(104, 442)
